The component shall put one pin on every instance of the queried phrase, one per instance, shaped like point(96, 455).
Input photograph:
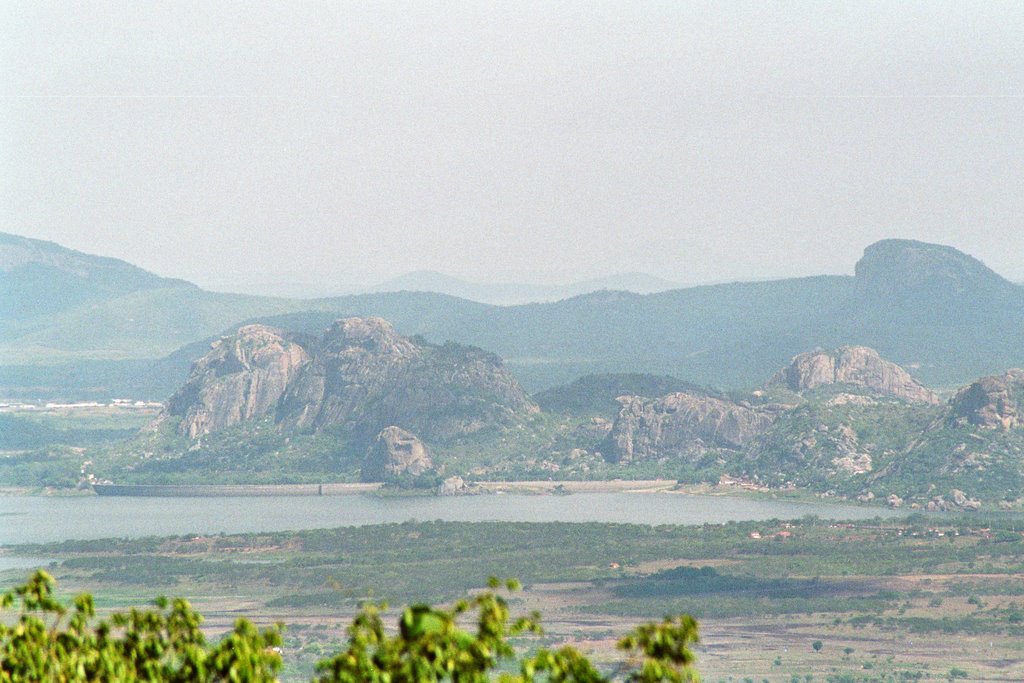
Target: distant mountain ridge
point(39, 277)
point(907, 267)
point(17, 252)
point(518, 293)
point(75, 312)
point(937, 312)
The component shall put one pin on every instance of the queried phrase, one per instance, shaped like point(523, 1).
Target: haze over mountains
point(42, 278)
point(513, 293)
point(359, 377)
point(363, 401)
point(79, 324)
point(682, 383)
point(498, 293)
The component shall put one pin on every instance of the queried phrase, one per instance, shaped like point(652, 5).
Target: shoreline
point(577, 486)
point(343, 489)
point(478, 487)
point(232, 490)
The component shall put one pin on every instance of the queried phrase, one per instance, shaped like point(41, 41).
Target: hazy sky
point(301, 141)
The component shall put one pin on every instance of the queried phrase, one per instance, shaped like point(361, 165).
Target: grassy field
point(915, 599)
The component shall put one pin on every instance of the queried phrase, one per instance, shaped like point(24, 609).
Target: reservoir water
point(40, 519)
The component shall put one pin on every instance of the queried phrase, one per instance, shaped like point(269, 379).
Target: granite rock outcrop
point(396, 452)
point(858, 366)
point(991, 402)
point(682, 424)
point(243, 377)
point(359, 378)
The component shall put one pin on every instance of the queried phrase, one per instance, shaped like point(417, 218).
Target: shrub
point(53, 641)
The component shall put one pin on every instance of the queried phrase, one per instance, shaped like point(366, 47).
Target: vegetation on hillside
point(592, 395)
point(833, 440)
point(901, 302)
point(24, 433)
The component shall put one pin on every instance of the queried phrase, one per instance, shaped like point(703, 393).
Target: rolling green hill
point(938, 312)
point(42, 278)
point(68, 311)
point(59, 304)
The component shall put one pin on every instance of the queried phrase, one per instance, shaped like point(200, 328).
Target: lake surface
point(38, 519)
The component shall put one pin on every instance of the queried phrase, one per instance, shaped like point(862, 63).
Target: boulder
point(452, 486)
point(396, 452)
point(962, 501)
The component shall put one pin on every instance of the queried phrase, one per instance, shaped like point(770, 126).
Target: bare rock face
point(990, 402)
point(453, 486)
point(358, 359)
point(359, 378)
point(852, 365)
point(243, 377)
point(396, 452)
point(681, 424)
point(365, 376)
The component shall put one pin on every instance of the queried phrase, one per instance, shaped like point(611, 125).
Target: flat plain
point(923, 597)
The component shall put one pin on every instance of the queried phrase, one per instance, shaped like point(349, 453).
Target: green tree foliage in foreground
point(53, 641)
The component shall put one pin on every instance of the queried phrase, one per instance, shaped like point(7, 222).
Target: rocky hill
point(358, 378)
point(846, 420)
point(360, 400)
point(682, 425)
point(688, 424)
point(992, 402)
point(852, 423)
point(934, 310)
point(855, 425)
point(243, 377)
point(972, 450)
point(857, 366)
